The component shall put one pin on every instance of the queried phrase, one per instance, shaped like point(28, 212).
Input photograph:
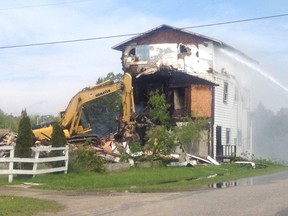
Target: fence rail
point(36, 160)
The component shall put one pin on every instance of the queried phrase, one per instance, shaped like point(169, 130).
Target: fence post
point(35, 162)
point(66, 159)
point(11, 165)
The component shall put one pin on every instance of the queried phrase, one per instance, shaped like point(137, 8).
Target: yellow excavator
point(73, 120)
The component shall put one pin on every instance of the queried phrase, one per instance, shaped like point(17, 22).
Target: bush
point(58, 139)
point(24, 142)
point(24, 139)
point(135, 147)
point(161, 141)
point(159, 108)
point(83, 160)
point(190, 130)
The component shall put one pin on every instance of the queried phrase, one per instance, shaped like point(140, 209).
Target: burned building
point(197, 82)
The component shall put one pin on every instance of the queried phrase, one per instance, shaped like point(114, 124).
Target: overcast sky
point(43, 79)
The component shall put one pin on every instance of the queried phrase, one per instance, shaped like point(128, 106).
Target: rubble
point(212, 160)
point(253, 165)
point(112, 148)
point(7, 137)
point(200, 159)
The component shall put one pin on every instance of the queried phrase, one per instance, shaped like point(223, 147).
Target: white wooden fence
point(36, 160)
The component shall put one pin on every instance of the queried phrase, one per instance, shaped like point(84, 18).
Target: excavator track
point(81, 139)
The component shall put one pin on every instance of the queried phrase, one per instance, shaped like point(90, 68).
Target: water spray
point(254, 67)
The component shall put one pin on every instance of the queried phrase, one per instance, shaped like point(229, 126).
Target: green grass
point(3, 179)
point(24, 206)
point(156, 179)
point(151, 179)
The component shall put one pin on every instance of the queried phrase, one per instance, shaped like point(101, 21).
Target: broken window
point(225, 93)
point(182, 49)
point(227, 136)
point(132, 52)
point(180, 102)
point(129, 57)
point(143, 52)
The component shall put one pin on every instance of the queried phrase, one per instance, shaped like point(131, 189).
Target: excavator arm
point(72, 116)
point(70, 119)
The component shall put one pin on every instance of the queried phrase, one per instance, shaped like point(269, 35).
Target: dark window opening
point(219, 147)
point(183, 49)
point(132, 52)
point(180, 102)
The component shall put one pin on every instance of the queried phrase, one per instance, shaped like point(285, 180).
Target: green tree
point(190, 130)
point(24, 139)
point(2, 119)
point(8, 121)
point(58, 139)
point(160, 139)
point(158, 108)
point(13, 122)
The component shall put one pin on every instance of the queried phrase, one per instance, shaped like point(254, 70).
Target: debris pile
point(112, 149)
point(7, 137)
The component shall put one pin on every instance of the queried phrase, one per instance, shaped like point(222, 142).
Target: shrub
point(135, 147)
point(24, 141)
point(83, 160)
point(158, 108)
point(161, 141)
point(189, 131)
point(58, 139)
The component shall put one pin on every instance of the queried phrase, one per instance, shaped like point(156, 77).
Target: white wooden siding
point(225, 114)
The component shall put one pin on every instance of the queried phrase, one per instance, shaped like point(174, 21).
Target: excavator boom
point(70, 119)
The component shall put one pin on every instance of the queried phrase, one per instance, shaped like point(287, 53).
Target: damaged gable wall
point(168, 48)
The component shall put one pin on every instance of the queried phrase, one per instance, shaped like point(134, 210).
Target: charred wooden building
point(190, 70)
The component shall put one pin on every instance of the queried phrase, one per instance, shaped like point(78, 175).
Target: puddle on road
point(257, 180)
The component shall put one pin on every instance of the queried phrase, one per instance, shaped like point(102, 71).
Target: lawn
point(25, 206)
point(155, 179)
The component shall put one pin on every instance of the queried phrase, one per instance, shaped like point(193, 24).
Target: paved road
point(267, 196)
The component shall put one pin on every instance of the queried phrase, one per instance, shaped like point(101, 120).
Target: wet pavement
point(257, 180)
